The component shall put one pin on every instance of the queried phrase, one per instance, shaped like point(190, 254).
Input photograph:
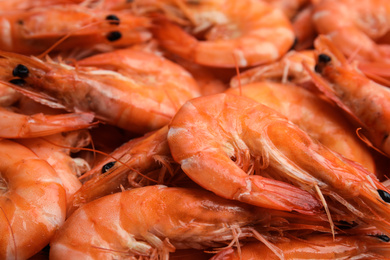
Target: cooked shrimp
point(53, 150)
point(137, 100)
point(364, 100)
point(289, 7)
point(243, 33)
point(153, 221)
point(32, 202)
point(354, 28)
point(34, 31)
point(13, 5)
point(15, 125)
point(221, 140)
point(287, 69)
point(141, 155)
point(313, 247)
point(315, 116)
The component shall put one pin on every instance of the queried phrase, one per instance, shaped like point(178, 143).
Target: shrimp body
point(208, 132)
point(139, 103)
point(32, 202)
point(313, 115)
point(313, 247)
point(67, 168)
point(357, 27)
point(243, 33)
point(213, 137)
point(34, 31)
point(15, 125)
point(366, 101)
point(152, 220)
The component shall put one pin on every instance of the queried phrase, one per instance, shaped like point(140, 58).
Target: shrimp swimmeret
point(221, 140)
point(32, 202)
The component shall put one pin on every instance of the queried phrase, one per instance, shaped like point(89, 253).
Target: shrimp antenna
point(40, 56)
point(367, 142)
point(322, 198)
point(237, 72)
point(277, 251)
point(102, 153)
point(12, 232)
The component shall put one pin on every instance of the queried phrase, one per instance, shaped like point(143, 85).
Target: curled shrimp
point(245, 33)
point(32, 202)
point(153, 221)
point(15, 125)
point(221, 140)
point(317, 246)
point(366, 102)
point(315, 116)
point(37, 30)
point(357, 27)
point(219, 154)
point(128, 96)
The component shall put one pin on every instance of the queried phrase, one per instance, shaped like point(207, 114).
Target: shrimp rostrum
point(221, 140)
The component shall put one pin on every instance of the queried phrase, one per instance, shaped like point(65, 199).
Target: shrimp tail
point(279, 195)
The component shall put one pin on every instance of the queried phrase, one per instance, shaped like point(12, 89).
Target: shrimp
point(289, 7)
point(32, 202)
point(67, 167)
point(32, 32)
point(140, 103)
point(12, 5)
point(313, 247)
point(15, 125)
point(221, 140)
point(357, 27)
point(245, 33)
point(153, 221)
point(313, 115)
point(141, 155)
point(366, 102)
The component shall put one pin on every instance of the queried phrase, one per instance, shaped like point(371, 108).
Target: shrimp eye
point(384, 238)
point(384, 195)
point(19, 82)
point(20, 71)
point(113, 19)
point(323, 58)
point(107, 166)
point(113, 36)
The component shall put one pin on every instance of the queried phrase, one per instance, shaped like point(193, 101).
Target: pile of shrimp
point(194, 129)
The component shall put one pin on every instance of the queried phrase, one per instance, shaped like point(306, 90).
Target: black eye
point(384, 238)
point(323, 58)
point(107, 166)
point(114, 36)
point(113, 19)
point(19, 82)
point(384, 195)
point(20, 71)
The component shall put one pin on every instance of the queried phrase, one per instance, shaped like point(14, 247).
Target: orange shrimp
point(356, 28)
point(246, 32)
point(313, 247)
point(67, 167)
point(315, 116)
point(211, 145)
point(153, 221)
point(221, 140)
point(122, 169)
point(13, 5)
point(365, 101)
point(128, 97)
point(69, 26)
point(15, 125)
point(32, 202)
point(289, 7)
